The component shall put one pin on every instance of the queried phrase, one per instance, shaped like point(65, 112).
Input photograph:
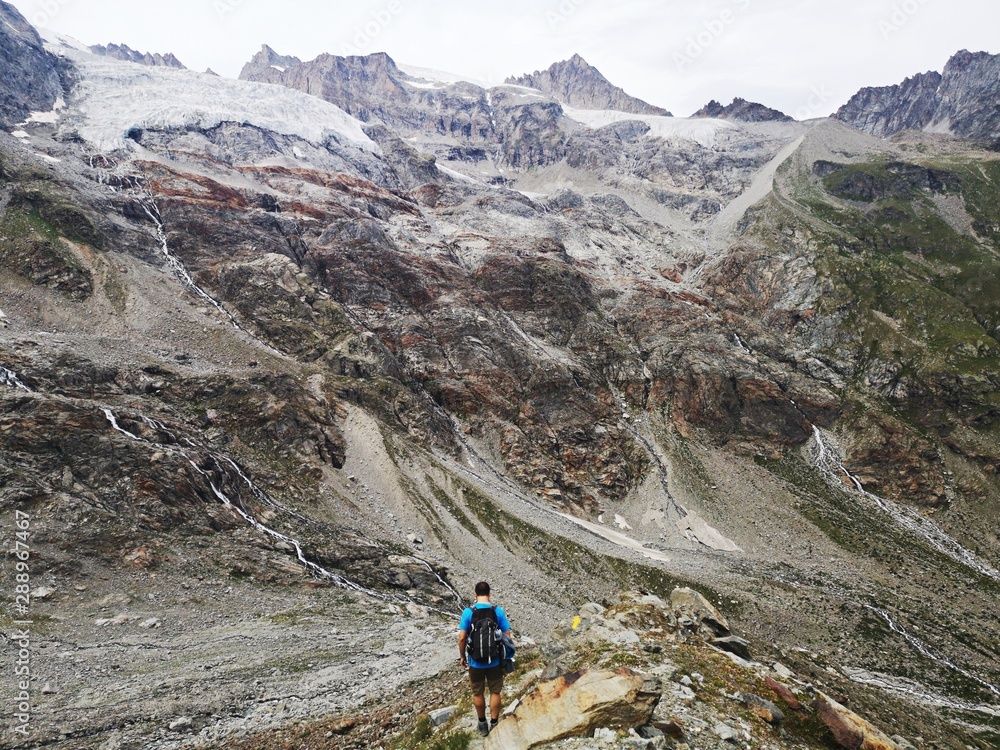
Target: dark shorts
point(481, 677)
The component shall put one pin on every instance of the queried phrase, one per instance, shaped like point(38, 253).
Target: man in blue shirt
point(480, 673)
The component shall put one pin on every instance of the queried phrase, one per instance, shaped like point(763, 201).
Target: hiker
point(481, 649)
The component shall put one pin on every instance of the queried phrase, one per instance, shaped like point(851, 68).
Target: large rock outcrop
point(574, 705)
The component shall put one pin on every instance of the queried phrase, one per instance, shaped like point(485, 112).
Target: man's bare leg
point(494, 706)
point(479, 701)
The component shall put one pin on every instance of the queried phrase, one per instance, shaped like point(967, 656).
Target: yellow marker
point(576, 622)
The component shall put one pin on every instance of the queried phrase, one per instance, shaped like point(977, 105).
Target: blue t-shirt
point(466, 625)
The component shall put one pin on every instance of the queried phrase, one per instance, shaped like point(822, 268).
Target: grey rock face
point(126, 53)
point(742, 111)
point(961, 100)
point(31, 78)
point(372, 88)
point(577, 83)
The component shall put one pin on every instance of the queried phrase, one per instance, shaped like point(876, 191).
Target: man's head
point(482, 589)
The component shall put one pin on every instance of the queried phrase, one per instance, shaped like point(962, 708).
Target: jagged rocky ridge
point(742, 111)
point(961, 101)
point(126, 53)
point(418, 369)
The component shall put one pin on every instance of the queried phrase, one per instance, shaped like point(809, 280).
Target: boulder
point(689, 603)
point(785, 693)
point(726, 733)
point(763, 708)
point(734, 645)
point(574, 705)
point(181, 724)
point(440, 716)
point(848, 729)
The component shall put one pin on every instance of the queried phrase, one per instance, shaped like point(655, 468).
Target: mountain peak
point(951, 101)
point(262, 63)
point(579, 84)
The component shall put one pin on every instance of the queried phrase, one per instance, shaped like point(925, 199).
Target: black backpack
point(485, 638)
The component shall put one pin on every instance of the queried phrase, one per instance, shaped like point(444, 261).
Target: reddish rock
point(784, 693)
point(848, 729)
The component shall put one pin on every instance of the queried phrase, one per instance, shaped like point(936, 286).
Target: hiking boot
point(484, 728)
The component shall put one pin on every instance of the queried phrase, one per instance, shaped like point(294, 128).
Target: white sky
point(805, 57)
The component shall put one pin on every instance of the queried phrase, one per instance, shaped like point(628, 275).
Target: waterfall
point(10, 379)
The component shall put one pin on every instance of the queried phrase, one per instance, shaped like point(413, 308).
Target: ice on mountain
point(115, 97)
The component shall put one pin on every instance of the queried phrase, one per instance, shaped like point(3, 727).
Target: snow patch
point(114, 97)
point(46, 118)
point(426, 84)
point(455, 175)
point(439, 77)
point(58, 39)
point(617, 538)
point(704, 131)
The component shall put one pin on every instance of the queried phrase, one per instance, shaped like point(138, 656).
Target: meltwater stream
point(238, 506)
point(827, 459)
point(10, 379)
point(905, 687)
point(108, 173)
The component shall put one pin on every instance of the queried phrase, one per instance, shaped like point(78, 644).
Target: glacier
point(114, 97)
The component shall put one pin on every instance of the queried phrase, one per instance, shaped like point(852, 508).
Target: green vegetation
point(453, 508)
point(908, 257)
point(33, 248)
point(421, 736)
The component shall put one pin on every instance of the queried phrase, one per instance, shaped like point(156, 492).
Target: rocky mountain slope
point(961, 101)
point(579, 84)
point(32, 77)
point(281, 370)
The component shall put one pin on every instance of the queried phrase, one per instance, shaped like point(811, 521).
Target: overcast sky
point(805, 57)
